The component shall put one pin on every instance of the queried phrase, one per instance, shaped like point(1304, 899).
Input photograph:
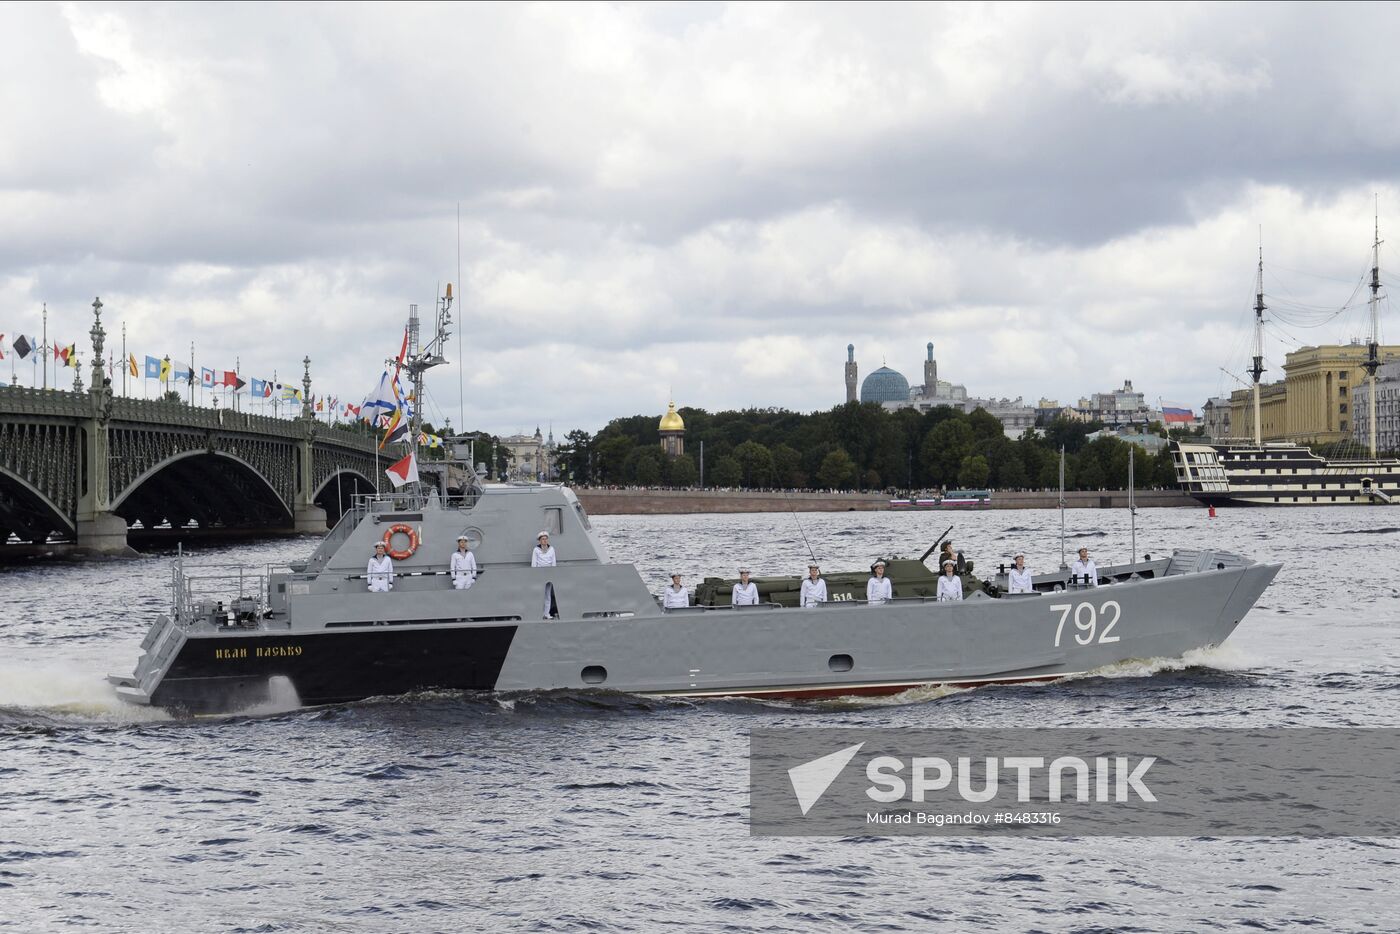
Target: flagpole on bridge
point(44, 348)
point(126, 361)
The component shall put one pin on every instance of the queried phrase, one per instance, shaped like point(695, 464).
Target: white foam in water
point(282, 698)
point(1225, 657)
point(67, 688)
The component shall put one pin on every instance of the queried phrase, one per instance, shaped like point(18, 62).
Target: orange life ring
point(389, 541)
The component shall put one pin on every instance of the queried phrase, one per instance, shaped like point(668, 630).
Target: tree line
point(857, 446)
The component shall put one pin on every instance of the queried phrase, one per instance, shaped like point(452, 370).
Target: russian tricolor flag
point(1173, 413)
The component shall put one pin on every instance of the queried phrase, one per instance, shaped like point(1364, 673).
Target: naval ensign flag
point(405, 471)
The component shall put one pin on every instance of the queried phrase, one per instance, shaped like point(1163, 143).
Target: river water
point(605, 812)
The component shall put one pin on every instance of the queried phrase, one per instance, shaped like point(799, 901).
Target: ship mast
point(1257, 370)
point(421, 359)
point(1372, 349)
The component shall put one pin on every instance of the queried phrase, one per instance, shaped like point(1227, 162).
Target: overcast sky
point(705, 199)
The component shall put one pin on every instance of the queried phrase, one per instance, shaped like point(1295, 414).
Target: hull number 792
point(1086, 621)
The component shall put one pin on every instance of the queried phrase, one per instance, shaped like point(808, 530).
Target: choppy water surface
point(605, 812)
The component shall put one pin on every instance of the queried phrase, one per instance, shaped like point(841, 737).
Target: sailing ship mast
point(1372, 349)
point(1257, 370)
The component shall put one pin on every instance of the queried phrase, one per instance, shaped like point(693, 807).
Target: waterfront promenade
point(607, 502)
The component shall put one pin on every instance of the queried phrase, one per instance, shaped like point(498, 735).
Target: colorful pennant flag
point(206, 377)
point(23, 346)
point(131, 364)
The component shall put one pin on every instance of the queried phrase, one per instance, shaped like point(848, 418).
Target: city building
point(672, 430)
point(884, 386)
point(1118, 407)
point(1215, 416)
point(890, 389)
point(1047, 410)
point(523, 456)
point(1387, 409)
point(1312, 404)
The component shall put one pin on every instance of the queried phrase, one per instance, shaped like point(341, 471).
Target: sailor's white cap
point(463, 538)
point(948, 561)
point(541, 535)
point(675, 573)
point(1019, 554)
point(878, 564)
point(814, 565)
point(745, 571)
point(380, 545)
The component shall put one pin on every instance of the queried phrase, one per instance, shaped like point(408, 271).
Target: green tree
point(787, 467)
point(985, 426)
point(726, 472)
point(611, 455)
point(943, 451)
point(648, 471)
point(171, 395)
point(683, 472)
point(838, 471)
point(1088, 475)
point(1011, 473)
point(871, 480)
point(974, 472)
point(574, 454)
point(756, 461)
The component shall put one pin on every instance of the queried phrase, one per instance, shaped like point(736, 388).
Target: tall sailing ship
point(1281, 473)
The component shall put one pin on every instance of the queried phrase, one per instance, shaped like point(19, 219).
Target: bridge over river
point(89, 468)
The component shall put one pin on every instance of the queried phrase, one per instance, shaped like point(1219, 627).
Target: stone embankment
point(600, 502)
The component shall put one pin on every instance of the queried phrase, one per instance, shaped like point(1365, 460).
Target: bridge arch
point(336, 492)
point(28, 513)
point(211, 488)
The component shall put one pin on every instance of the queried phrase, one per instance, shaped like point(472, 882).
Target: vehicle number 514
point(1086, 621)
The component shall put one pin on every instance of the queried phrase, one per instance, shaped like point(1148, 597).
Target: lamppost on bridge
point(98, 336)
point(306, 387)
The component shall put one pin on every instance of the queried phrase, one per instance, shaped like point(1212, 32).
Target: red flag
point(405, 471)
point(230, 378)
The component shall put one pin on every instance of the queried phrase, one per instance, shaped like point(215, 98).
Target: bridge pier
point(104, 533)
point(311, 520)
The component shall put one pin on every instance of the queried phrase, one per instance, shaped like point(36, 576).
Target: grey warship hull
point(316, 629)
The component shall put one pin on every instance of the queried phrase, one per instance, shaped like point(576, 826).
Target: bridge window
point(554, 520)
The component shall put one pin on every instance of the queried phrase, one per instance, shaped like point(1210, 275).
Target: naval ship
point(234, 639)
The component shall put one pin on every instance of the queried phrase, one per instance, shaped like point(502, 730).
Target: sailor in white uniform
point(676, 596)
point(543, 557)
point(1018, 579)
point(950, 585)
point(463, 565)
point(746, 591)
point(380, 570)
point(878, 589)
point(1083, 571)
point(813, 588)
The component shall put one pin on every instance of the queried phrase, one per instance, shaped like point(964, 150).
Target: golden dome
point(672, 421)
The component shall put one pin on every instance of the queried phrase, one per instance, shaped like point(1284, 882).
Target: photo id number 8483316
point(1086, 621)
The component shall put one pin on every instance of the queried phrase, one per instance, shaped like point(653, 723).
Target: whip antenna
point(810, 553)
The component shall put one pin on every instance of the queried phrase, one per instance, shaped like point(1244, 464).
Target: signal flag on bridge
point(22, 346)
